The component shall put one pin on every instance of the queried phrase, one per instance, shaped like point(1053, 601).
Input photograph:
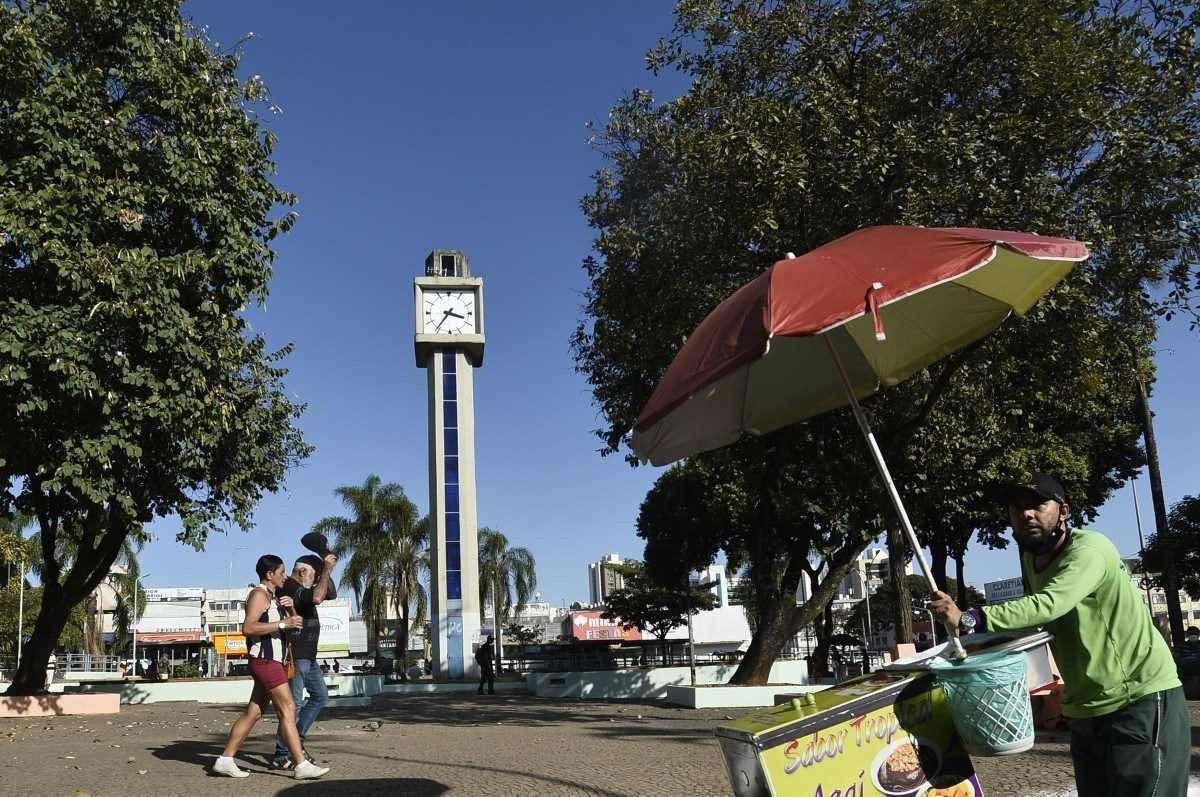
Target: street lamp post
point(136, 581)
point(20, 609)
point(932, 628)
point(232, 556)
point(691, 637)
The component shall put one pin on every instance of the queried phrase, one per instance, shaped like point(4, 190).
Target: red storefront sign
point(163, 637)
point(589, 626)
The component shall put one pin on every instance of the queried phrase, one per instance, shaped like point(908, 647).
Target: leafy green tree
point(1182, 545)
point(507, 580)
point(522, 634)
point(804, 121)
point(136, 218)
point(775, 518)
point(651, 607)
point(385, 547)
point(71, 638)
point(884, 599)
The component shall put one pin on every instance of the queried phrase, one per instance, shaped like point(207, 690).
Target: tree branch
point(940, 385)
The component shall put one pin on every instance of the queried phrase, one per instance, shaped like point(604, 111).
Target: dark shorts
point(267, 673)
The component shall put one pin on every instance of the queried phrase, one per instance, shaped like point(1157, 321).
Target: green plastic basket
point(989, 701)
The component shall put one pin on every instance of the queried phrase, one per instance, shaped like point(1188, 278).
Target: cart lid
point(771, 726)
point(1002, 642)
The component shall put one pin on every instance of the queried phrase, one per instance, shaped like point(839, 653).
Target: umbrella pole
point(881, 465)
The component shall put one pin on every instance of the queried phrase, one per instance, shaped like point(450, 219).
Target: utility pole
point(1169, 577)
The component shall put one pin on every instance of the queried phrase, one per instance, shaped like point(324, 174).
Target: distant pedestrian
point(336, 667)
point(267, 647)
point(487, 667)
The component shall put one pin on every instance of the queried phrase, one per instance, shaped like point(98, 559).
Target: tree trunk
point(30, 678)
point(964, 601)
point(1169, 577)
point(402, 642)
point(91, 565)
point(773, 632)
point(902, 610)
point(939, 553)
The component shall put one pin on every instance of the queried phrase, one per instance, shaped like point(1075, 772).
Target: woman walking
point(267, 650)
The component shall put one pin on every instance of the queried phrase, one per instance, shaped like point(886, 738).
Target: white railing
point(85, 662)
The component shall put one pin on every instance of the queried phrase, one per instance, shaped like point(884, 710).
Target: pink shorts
point(267, 673)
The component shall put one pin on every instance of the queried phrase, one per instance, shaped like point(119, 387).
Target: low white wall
point(650, 682)
point(733, 696)
point(430, 687)
point(224, 690)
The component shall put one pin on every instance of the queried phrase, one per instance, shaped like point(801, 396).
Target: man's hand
point(944, 609)
point(293, 621)
point(321, 588)
point(286, 602)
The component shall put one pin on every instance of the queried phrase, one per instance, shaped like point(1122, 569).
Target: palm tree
point(410, 559)
point(384, 547)
point(504, 574)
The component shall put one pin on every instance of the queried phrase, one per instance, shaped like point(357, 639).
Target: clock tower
point(449, 346)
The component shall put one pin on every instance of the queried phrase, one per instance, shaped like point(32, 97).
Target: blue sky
point(413, 126)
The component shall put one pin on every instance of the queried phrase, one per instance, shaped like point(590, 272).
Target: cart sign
point(590, 626)
point(881, 735)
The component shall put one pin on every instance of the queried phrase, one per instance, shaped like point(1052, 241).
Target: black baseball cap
point(1041, 484)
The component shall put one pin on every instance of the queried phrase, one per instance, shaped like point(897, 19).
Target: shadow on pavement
point(410, 787)
point(549, 779)
point(190, 751)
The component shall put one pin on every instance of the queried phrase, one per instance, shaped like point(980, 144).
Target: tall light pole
point(932, 627)
point(691, 637)
point(232, 556)
point(20, 610)
point(136, 582)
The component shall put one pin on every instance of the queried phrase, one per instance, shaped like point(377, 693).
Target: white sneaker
point(227, 766)
point(306, 770)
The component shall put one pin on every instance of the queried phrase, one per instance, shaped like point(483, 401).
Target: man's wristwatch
point(966, 623)
point(281, 625)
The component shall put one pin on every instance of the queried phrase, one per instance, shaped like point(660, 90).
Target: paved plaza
point(428, 745)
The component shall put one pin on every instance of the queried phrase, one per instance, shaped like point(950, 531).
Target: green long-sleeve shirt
point(1105, 644)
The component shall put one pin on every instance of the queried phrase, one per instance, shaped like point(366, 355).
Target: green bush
point(188, 670)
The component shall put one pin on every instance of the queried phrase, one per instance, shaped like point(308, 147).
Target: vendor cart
point(889, 733)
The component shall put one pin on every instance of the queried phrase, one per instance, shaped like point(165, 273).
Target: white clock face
point(449, 312)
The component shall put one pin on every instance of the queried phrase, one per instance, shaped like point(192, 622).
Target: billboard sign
point(589, 626)
point(1004, 590)
point(335, 630)
point(156, 594)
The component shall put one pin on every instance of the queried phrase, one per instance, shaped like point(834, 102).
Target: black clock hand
point(456, 315)
point(445, 315)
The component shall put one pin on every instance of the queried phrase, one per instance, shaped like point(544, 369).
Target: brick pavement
point(426, 745)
